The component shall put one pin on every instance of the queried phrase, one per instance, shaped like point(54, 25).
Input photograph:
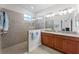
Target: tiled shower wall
point(17, 32)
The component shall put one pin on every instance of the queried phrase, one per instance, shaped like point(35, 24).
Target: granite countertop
point(71, 34)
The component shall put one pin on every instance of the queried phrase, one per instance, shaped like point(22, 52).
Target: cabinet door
point(70, 46)
point(49, 41)
point(58, 44)
point(77, 48)
point(43, 38)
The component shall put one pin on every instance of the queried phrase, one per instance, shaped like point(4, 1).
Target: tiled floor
point(20, 48)
point(44, 50)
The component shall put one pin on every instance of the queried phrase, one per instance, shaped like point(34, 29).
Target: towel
point(4, 22)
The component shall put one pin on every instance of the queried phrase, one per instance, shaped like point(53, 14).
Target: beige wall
point(17, 29)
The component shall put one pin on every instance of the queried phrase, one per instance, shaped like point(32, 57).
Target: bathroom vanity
point(61, 41)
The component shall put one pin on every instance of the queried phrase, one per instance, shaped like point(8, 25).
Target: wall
point(17, 29)
point(38, 24)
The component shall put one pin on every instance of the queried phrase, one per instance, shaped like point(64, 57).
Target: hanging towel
point(6, 22)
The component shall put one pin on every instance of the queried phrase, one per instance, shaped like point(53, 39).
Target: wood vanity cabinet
point(46, 39)
point(62, 43)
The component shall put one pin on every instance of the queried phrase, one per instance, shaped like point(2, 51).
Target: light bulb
point(48, 15)
point(60, 13)
point(52, 14)
point(70, 10)
point(65, 12)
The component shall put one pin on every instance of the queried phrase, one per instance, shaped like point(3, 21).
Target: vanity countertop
point(71, 34)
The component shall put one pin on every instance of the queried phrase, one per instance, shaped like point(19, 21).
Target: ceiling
point(35, 8)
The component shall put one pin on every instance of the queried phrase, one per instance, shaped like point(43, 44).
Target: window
point(27, 17)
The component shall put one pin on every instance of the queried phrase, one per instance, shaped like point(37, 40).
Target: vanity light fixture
point(48, 15)
point(71, 10)
point(65, 11)
point(53, 14)
point(60, 12)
